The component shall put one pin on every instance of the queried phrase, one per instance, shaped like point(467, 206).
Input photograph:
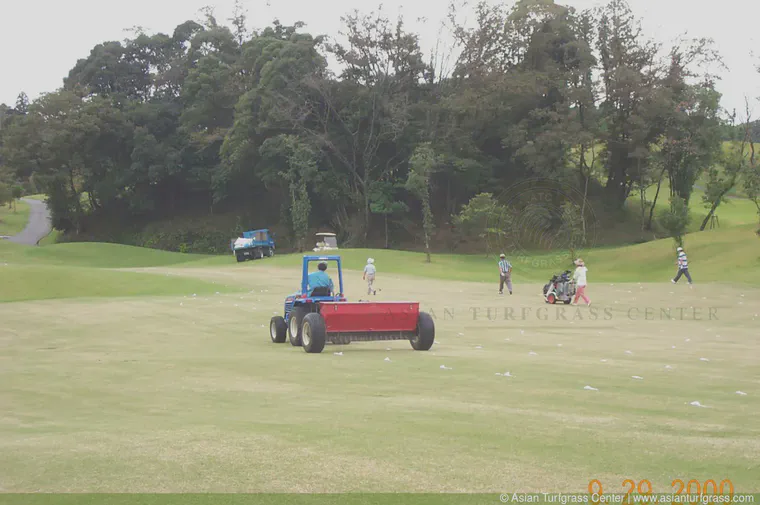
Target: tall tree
point(630, 98)
point(361, 119)
point(692, 139)
point(421, 167)
point(723, 176)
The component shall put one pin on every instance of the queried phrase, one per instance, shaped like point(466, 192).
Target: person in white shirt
point(580, 282)
point(505, 274)
point(369, 276)
point(683, 266)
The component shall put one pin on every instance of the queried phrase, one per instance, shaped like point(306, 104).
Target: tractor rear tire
point(278, 329)
point(294, 325)
point(313, 333)
point(240, 258)
point(425, 337)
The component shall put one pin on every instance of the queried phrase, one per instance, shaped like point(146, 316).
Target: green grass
point(158, 393)
point(40, 197)
point(51, 238)
point(720, 255)
point(96, 255)
point(39, 282)
point(139, 370)
point(732, 212)
point(13, 222)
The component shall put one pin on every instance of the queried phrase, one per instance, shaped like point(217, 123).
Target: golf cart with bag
point(560, 288)
point(314, 318)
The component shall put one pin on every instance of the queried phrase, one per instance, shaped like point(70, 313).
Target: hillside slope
point(720, 255)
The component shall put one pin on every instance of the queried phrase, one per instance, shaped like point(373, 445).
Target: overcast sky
point(40, 41)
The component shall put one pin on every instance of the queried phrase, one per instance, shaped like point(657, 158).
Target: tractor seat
point(321, 291)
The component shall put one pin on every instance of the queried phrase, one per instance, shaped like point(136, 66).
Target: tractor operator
point(320, 279)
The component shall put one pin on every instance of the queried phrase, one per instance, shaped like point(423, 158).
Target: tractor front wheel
point(313, 333)
point(425, 337)
point(294, 325)
point(278, 329)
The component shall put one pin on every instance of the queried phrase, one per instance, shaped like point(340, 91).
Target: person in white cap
point(580, 282)
point(683, 266)
point(369, 276)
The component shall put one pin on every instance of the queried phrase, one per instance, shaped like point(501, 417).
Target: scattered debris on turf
point(589, 388)
point(444, 367)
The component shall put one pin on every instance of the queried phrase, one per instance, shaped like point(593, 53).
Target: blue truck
point(253, 244)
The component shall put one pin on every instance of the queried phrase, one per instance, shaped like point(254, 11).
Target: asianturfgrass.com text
point(626, 499)
point(571, 313)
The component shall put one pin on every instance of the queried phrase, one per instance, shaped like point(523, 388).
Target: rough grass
point(13, 222)
point(720, 255)
point(95, 255)
point(160, 394)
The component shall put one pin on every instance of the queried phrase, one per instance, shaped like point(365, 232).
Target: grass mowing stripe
point(30, 282)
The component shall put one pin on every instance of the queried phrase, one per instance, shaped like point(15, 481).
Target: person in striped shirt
point(683, 266)
point(505, 274)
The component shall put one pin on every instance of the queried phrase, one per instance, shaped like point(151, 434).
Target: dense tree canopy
point(213, 117)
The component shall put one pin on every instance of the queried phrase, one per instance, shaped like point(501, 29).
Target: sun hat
point(502, 255)
point(679, 249)
point(370, 261)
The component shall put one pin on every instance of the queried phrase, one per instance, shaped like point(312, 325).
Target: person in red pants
point(580, 282)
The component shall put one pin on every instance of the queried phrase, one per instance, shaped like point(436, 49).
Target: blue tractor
point(253, 245)
point(316, 315)
point(301, 303)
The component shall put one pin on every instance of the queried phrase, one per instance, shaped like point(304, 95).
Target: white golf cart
point(326, 242)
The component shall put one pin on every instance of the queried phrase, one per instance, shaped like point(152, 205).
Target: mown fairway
point(165, 391)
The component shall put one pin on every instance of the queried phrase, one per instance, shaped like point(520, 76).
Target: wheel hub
point(306, 335)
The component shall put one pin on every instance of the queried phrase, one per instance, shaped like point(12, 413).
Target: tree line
point(220, 118)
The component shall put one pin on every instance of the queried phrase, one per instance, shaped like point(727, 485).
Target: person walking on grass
point(505, 274)
point(580, 282)
point(369, 276)
point(683, 266)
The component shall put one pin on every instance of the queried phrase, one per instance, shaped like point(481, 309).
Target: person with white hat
point(369, 276)
point(683, 266)
point(505, 274)
point(580, 282)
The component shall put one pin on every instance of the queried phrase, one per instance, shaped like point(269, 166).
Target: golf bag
point(560, 287)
